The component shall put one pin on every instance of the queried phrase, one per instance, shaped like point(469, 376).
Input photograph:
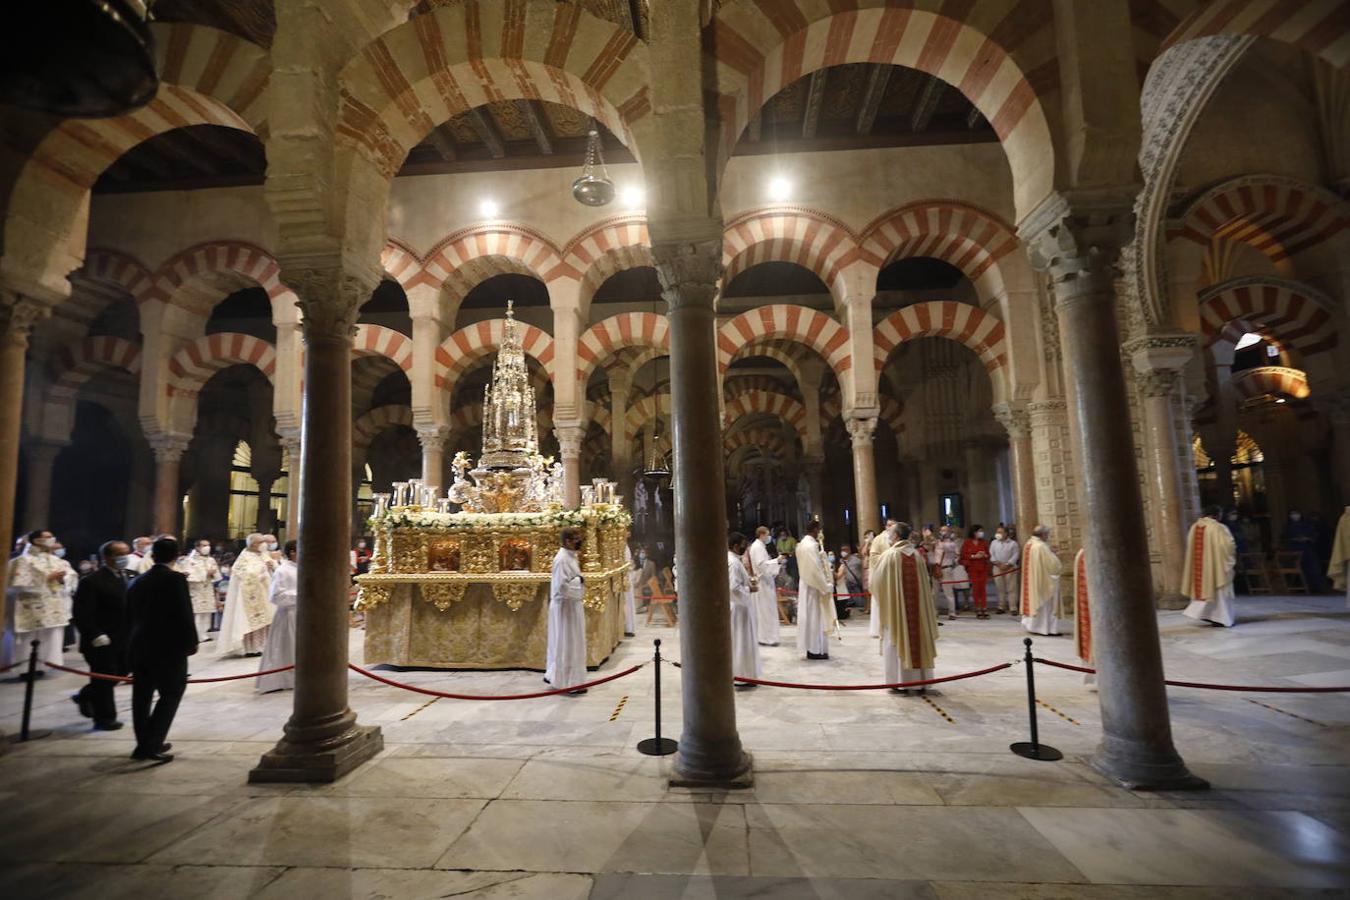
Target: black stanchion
point(657, 746)
point(25, 733)
point(1033, 749)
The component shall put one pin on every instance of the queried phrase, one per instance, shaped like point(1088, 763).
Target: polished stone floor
point(857, 795)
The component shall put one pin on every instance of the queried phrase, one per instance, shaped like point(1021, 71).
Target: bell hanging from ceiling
point(78, 58)
point(591, 189)
point(656, 467)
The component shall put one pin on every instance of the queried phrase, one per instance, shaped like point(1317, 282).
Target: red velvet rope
point(429, 692)
point(124, 678)
point(1212, 687)
point(873, 687)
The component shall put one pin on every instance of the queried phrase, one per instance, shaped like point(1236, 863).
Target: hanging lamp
point(591, 189)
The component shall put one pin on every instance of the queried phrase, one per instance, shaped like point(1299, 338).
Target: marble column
point(432, 439)
point(265, 524)
point(322, 740)
point(620, 450)
point(37, 498)
point(569, 448)
point(814, 467)
point(1159, 360)
point(981, 459)
point(1017, 422)
point(1078, 244)
point(291, 442)
point(710, 747)
point(860, 432)
point(168, 449)
point(18, 314)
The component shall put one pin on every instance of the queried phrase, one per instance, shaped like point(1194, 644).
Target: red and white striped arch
point(807, 327)
point(961, 322)
point(1298, 317)
point(195, 363)
point(465, 259)
point(640, 413)
point(791, 234)
point(738, 384)
point(603, 251)
point(376, 340)
point(768, 403)
point(75, 364)
point(781, 352)
point(456, 57)
point(400, 263)
point(1320, 27)
point(223, 266)
point(607, 337)
point(1277, 381)
point(968, 238)
point(368, 426)
point(1278, 216)
point(763, 439)
point(112, 267)
point(985, 51)
point(471, 343)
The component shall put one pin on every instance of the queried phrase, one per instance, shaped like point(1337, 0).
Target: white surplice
point(280, 648)
point(765, 566)
point(1040, 588)
point(566, 622)
point(744, 646)
point(880, 544)
point(814, 594)
point(243, 626)
point(202, 574)
point(39, 606)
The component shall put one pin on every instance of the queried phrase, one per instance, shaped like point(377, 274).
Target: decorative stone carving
point(329, 299)
point(861, 429)
point(1014, 418)
point(432, 437)
point(18, 315)
point(1077, 240)
point(689, 272)
point(168, 446)
point(570, 438)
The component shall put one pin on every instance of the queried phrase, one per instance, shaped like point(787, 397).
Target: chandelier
point(591, 189)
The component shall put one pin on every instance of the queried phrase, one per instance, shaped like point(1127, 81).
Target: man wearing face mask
point(101, 619)
point(880, 544)
point(764, 571)
point(1005, 554)
point(248, 615)
point(40, 585)
point(202, 573)
point(140, 548)
point(567, 616)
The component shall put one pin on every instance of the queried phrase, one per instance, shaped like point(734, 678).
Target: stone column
point(814, 467)
point(265, 523)
point(1159, 360)
point(291, 441)
point(860, 432)
point(1338, 411)
point(18, 314)
point(37, 500)
point(710, 747)
point(620, 451)
point(569, 448)
point(168, 449)
point(1015, 419)
point(432, 439)
point(322, 740)
point(1079, 245)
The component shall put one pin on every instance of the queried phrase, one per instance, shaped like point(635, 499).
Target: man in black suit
point(100, 615)
point(163, 636)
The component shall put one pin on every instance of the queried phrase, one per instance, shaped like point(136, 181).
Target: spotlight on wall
point(633, 196)
point(779, 188)
point(489, 209)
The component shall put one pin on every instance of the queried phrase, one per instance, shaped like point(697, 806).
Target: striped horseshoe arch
point(377, 340)
point(1297, 316)
point(1278, 216)
point(463, 348)
point(368, 426)
point(807, 327)
point(607, 337)
point(194, 364)
point(809, 239)
point(753, 402)
point(967, 325)
point(1320, 27)
point(76, 364)
point(968, 238)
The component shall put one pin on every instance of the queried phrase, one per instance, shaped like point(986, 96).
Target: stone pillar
point(710, 747)
point(1338, 411)
point(291, 441)
point(814, 467)
point(37, 500)
point(433, 438)
point(860, 432)
point(322, 740)
point(265, 523)
point(1079, 246)
point(981, 463)
point(18, 314)
point(620, 451)
point(168, 449)
point(569, 448)
point(1015, 419)
point(1159, 360)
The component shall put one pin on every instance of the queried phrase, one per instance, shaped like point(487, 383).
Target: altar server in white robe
point(902, 594)
point(202, 573)
point(248, 615)
point(815, 597)
point(764, 567)
point(630, 595)
point(1207, 576)
point(1339, 568)
point(744, 645)
point(41, 587)
point(880, 544)
point(280, 648)
point(567, 616)
point(1040, 584)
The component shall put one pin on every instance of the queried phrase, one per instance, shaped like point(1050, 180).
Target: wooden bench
point(1289, 567)
point(665, 601)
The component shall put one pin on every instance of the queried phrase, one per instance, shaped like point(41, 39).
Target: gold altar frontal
point(471, 591)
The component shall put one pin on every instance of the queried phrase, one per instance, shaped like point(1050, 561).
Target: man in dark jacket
point(163, 636)
point(100, 615)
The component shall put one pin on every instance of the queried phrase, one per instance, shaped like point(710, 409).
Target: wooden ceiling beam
point(755, 128)
point(444, 145)
point(815, 96)
point(877, 79)
point(487, 132)
point(535, 122)
point(923, 111)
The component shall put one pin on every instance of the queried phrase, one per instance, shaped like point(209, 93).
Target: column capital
point(1014, 418)
point(689, 271)
point(569, 437)
point(1161, 352)
point(329, 298)
point(168, 446)
point(861, 429)
point(432, 436)
point(1052, 411)
point(18, 315)
point(1077, 238)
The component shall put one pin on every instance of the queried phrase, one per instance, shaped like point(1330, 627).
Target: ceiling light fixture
point(633, 196)
point(591, 189)
point(489, 209)
point(779, 188)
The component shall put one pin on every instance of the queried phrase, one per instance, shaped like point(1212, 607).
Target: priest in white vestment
point(567, 616)
point(815, 596)
point(1040, 584)
point(140, 548)
point(880, 544)
point(902, 594)
point(248, 615)
point(41, 585)
point(280, 648)
point(744, 643)
point(764, 569)
point(1207, 576)
point(1082, 617)
point(1339, 569)
point(630, 595)
point(202, 573)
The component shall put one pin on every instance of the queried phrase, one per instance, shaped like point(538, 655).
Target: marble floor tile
point(801, 785)
point(424, 884)
point(738, 887)
point(569, 775)
point(78, 881)
point(424, 778)
point(948, 890)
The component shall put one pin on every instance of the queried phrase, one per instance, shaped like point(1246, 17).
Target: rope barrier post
point(1033, 749)
point(25, 733)
point(657, 746)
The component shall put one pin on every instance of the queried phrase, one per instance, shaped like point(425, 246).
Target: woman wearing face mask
point(202, 573)
point(975, 558)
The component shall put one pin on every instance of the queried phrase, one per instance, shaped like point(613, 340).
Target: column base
point(1145, 769)
point(1171, 600)
point(293, 763)
point(687, 774)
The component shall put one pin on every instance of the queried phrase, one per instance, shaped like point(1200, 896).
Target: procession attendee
point(40, 587)
point(101, 620)
point(1082, 617)
point(163, 635)
point(202, 573)
point(567, 616)
point(243, 627)
point(744, 642)
point(975, 560)
point(1300, 536)
point(646, 574)
point(903, 595)
point(1207, 575)
point(947, 559)
point(1339, 567)
point(1005, 554)
point(849, 572)
point(864, 554)
point(787, 551)
point(815, 601)
point(879, 545)
point(629, 594)
point(764, 566)
point(140, 548)
point(1040, 584)
point(279, 651)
